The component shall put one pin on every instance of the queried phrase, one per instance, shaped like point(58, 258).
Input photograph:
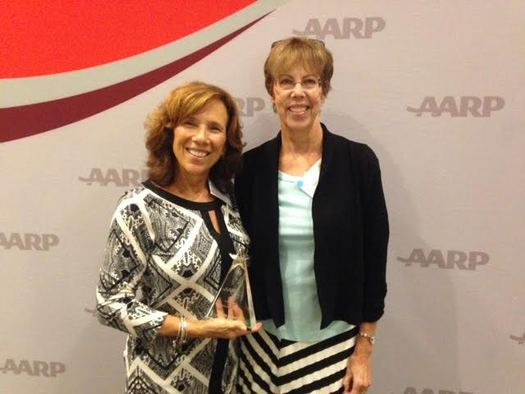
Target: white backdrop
point(434, 87)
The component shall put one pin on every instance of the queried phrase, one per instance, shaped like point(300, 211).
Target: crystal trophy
point(234, 298)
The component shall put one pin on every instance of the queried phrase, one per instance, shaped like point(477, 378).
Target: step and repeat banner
point(434, 87)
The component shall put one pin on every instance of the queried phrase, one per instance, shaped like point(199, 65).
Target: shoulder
point(261, 159)
point(362, 152)
point(131, 201)
point(261, 151)
point(357, 152)
point(129, 195)
point(137, 192)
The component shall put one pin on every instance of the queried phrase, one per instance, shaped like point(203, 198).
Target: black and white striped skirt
point(270, 365)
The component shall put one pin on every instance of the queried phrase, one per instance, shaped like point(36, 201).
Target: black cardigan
point(350, 231)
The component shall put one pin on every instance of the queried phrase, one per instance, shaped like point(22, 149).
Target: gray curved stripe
point(23, 91)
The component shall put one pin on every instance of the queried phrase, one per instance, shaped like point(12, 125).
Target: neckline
point(287, 177)
point(314, 168)
point(194, 205)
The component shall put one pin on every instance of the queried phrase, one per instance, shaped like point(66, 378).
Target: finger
point(357, 386)
point(238, 312)
point(256, 327)
point(347, 381)
point(357, 389)
point(361, 382)
point(346, 385)
point(219, 308)
point(231, 310)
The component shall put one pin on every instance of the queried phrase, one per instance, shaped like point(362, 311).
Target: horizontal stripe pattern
point(270, 365)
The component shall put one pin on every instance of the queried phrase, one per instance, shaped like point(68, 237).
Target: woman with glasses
point(312, 203)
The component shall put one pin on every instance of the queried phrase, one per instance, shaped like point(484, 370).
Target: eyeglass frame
point(302, 83)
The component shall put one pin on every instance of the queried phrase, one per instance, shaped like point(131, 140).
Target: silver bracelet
point(180, 338)
point(183, 331)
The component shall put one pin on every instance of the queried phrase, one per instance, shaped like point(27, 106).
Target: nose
point(298, 88)
point(200, 135)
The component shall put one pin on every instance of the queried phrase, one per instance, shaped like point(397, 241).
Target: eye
point(216, 128)
point(189, 123)
point(310, 82)
point(286, 82)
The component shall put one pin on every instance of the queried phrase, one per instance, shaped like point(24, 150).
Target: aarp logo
point(28, 241)
point(463, 106)
point(520, 340)
point(46, 369)
point(342, 28)
point(413, 390)
point(448, 259)
point(248, 106)
point(111, 176)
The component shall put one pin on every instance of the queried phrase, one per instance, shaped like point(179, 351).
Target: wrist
point(370, 338)
point(194, 328)
point(363, 346)
point(362, 350)
point(170, 326)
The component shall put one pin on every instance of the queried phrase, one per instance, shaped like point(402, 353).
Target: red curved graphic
point(54, 36)
point(28, 120)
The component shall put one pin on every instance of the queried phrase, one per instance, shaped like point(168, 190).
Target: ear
point(272, 97)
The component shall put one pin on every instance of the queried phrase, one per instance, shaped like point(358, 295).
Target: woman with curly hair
point(170, 245)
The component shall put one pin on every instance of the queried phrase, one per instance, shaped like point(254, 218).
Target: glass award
point(234, 298)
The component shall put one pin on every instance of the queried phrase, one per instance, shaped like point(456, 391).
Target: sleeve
point(375, 237)
point(130, 238)
point(242, 193)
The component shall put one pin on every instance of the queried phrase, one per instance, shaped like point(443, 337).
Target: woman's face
point(200, 140)
point(298, 104)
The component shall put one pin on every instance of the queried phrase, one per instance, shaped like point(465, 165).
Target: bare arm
point(358, 376)
point(212, 328)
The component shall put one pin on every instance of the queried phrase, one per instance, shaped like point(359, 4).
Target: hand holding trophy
point(234, 298)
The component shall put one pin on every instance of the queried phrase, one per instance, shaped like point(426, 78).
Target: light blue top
point(296, 254)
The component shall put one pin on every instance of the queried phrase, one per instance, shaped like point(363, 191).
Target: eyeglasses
point(287, 83)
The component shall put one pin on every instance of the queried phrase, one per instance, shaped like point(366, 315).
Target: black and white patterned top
point(163, 256)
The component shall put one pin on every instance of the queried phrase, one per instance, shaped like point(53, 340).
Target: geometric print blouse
point(163, 256)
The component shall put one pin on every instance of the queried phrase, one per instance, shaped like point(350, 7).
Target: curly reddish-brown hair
point(183, 102)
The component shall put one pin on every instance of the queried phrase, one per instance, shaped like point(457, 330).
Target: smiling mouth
point(197, 153)
point(298, 109)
